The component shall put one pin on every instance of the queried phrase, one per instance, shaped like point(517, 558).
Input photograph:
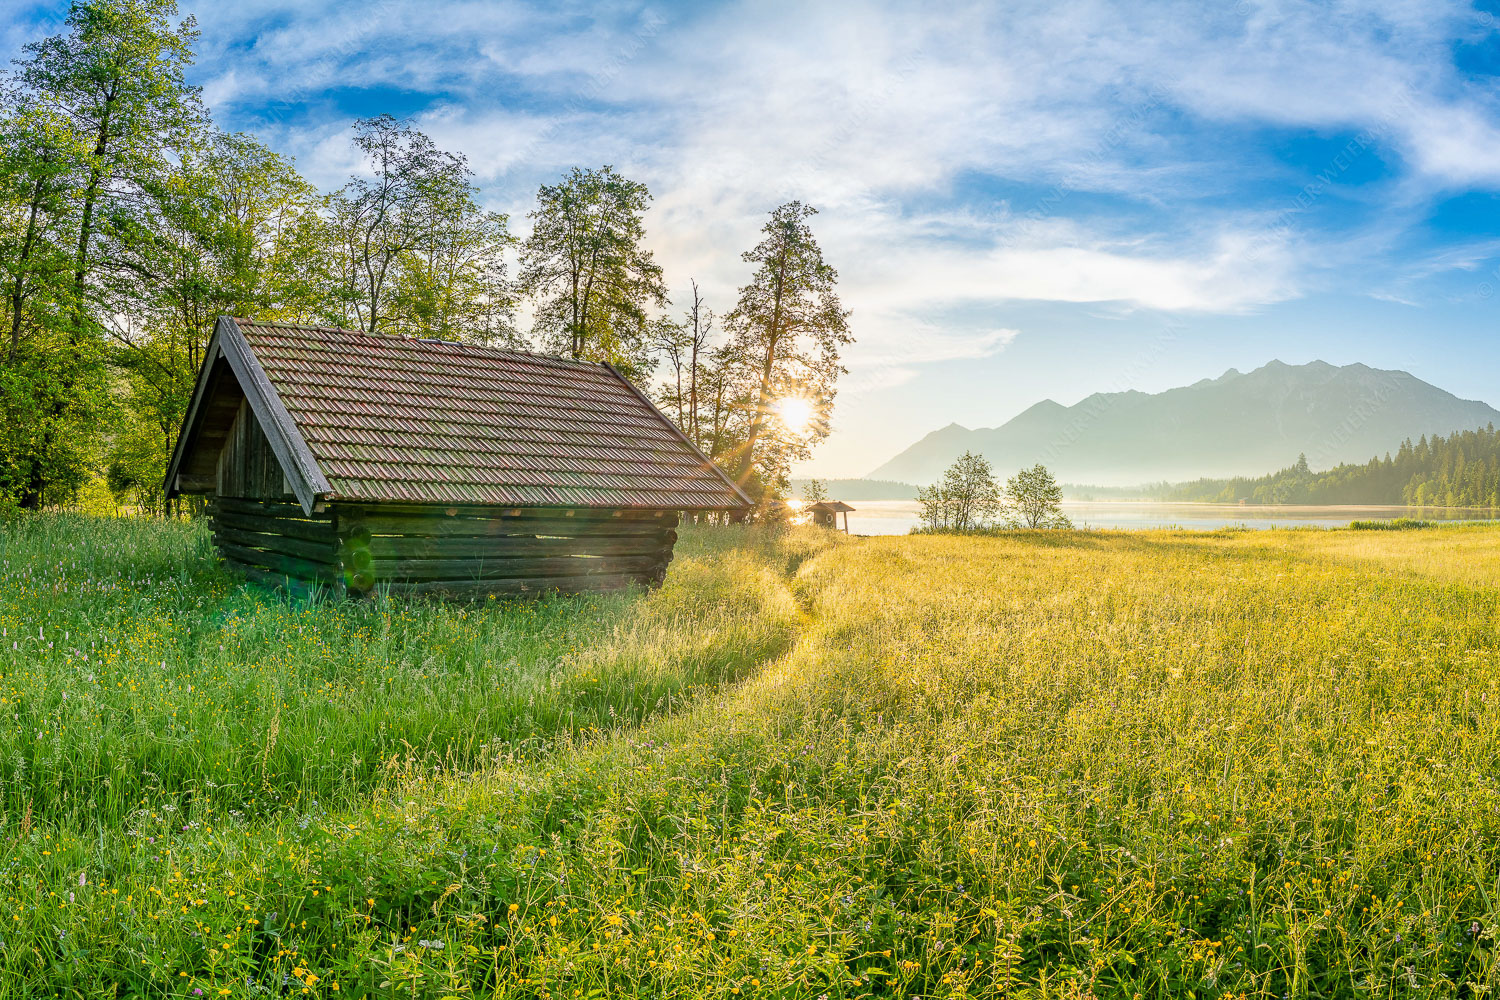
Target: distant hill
point(1237, 424)
point(859, 489)
point(1461, 470)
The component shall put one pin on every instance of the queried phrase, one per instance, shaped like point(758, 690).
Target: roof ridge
point(402, 338)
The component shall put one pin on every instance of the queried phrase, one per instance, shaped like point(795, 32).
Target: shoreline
point(1211, 505)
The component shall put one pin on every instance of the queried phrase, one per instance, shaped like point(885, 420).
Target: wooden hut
point(825, 513)
point(358, 461)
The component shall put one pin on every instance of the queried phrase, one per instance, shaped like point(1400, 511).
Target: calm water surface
point(897, 517)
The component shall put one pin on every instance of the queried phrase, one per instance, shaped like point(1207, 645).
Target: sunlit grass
point(1060, 764)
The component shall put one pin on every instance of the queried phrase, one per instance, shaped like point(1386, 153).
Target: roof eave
point(334, 497)
point(708, 463)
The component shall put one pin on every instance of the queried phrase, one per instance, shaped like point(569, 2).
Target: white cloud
point(898, 99)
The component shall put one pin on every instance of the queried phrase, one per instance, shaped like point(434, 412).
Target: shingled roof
point(360, 417)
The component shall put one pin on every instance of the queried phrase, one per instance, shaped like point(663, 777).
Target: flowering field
point(1056, 764)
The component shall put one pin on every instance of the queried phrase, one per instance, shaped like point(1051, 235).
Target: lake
point(897, 517)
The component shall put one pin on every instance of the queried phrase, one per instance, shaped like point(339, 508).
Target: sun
point(795, 413)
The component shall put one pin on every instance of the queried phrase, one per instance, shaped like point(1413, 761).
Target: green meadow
point(1054, 764)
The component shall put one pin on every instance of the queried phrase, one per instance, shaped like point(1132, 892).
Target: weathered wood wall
point(269, 542)
point(475, 551)
point(247, 465)
point(456, 551)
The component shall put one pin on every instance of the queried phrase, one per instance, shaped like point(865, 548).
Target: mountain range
point(1241, 423)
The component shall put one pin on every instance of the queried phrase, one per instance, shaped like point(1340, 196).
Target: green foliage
point(966, 498)
point(95, 498)
point(38, 178)
point(1395, 524)
point(129, 223)
point(52, 397)
point(213, 234)
point(1034, 500)
point(586, 264)
point(1461, 470)
point(413, 252)
point(89, 113)
point(137, 456)
point(814, 491)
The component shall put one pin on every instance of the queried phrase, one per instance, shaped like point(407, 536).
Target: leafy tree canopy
point(1034, 500)
point(586, 265)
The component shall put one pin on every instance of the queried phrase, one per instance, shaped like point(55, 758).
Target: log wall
point(462, 552)
point(271, 542)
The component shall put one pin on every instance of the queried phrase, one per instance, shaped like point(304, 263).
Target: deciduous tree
point(586, 267)
point(95, 103)
point(1034, 500)
point(213, 233)
point(966, 498)
point(788, 326)
point(414, 252)
point(684, 348)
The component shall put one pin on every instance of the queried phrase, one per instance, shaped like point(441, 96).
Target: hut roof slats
point(393, 419)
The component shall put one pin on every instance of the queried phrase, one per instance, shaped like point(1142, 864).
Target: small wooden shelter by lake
point(361, 461)
point(825, 513)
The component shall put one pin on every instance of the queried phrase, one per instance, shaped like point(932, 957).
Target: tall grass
point(1054, 764)
point(132, 670)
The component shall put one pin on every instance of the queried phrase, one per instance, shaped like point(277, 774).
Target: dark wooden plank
point(277, 561)
point(281, 432)
point(322, 550)
point(281, 581)
point(356, 562)
point(512, 546)
point(187, 447)
point(496, 569)
point(266, 508)
point(312, 531)
point(224, 467)
point(306, 569)
point(663, 518)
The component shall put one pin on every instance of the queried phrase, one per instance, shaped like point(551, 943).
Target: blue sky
point(1048, 200)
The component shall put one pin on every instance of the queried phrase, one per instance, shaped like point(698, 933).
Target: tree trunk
point(773, 336)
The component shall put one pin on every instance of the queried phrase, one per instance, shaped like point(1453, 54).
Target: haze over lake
point(898, 517)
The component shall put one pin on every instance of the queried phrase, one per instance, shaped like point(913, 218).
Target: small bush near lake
point(1394, 524)
point(1049, 764)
